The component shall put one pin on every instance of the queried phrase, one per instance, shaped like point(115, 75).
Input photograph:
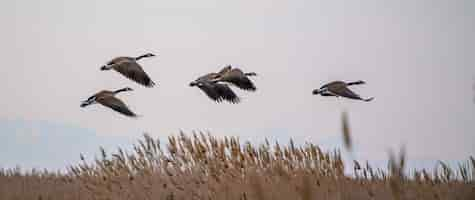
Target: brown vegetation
point(205, 167)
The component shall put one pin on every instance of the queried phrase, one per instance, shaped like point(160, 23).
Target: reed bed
point(201, 166)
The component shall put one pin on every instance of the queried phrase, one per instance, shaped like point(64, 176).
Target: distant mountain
point(43, 144)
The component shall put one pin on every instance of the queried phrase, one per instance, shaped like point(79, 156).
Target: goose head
point(194, 83)
point(127, 89)
point(316, 92)
point(148, 55)
point(105, 67)
point(89, 101)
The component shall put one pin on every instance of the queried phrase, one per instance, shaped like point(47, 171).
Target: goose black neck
point(355, 83)
point(142, 56)
point(121, 90)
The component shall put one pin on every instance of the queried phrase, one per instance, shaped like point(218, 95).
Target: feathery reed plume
point(446, 173)
point(473, 89)
point(472, 162)
point(202, 166)
point(345, 126)
point(396, 169)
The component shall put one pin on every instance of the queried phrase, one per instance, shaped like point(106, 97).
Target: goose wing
point(226, 93)
point(115, 104)
point(327, 94)
point(218, 92)
point(210, 91)
point(208, 77)
point(134, 71)
point(334, 84)
point(344, 92)
point(119, 59)
point(239, 79)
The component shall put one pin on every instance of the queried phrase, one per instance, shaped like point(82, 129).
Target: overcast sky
point(416, 57)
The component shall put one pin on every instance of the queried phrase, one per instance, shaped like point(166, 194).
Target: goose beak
point(193, 84)
point(315, 92)
point(85, 103)
point(103, 68)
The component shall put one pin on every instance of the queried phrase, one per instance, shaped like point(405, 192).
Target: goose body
point(215, 91)
point(107, 98)
point(130, 68)
point(340, 89)
point(236, 77)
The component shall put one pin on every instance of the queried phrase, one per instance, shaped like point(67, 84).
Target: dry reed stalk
point(472, 162)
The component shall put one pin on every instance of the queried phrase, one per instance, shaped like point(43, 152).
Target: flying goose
point(107, 98)
point(129, 67)
point(340, 89)
point(236, 77)
point(215, 91)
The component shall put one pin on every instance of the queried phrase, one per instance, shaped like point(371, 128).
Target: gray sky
point(416, 56)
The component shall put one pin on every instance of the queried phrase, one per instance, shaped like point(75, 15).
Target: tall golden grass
point(201, 166)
